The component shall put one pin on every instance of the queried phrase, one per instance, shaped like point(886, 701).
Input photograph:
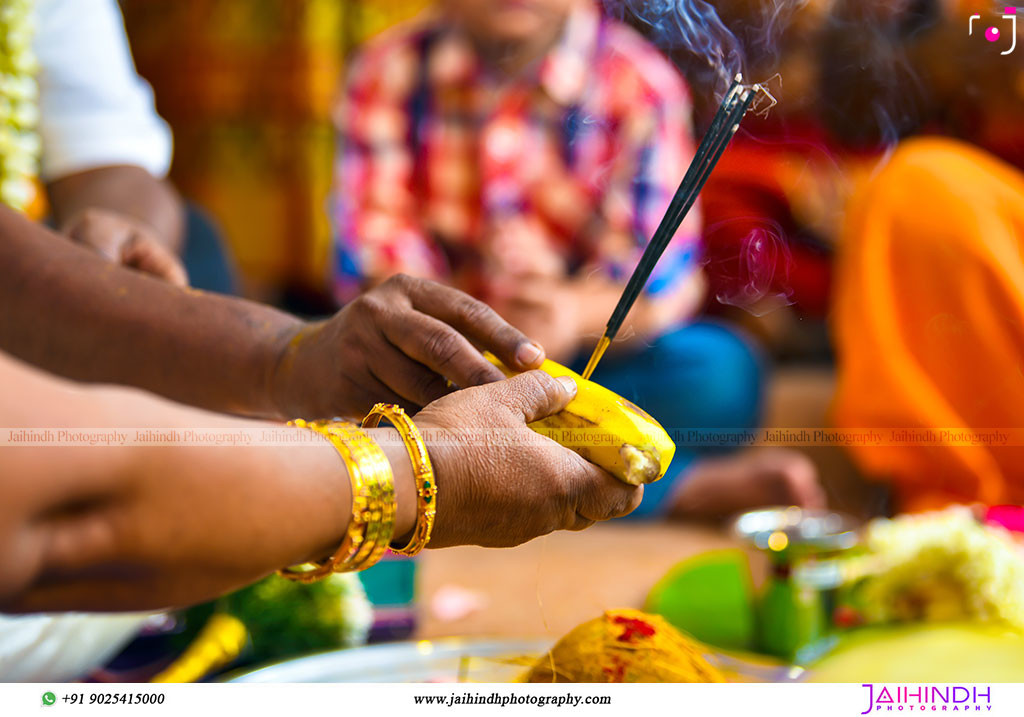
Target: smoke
point(854, 65)
point(870, 92)
point(762, 40)
point(754, 275)
point(690, 26)
point(713, 41)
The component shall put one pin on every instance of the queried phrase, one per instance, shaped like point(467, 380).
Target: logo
point(49, 698)
point(993, 34)
point(947, 698)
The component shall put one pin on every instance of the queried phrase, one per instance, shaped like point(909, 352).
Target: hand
point(549, 311)
point(500, 483)
point(527, 285)
point(723, 486)
point(520, 248)
point(127, 241)
point(408, 341)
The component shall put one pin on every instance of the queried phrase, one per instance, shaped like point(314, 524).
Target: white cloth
point(94, 109)
point(57, 648)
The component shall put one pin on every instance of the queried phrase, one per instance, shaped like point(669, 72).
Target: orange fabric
point(929, 321)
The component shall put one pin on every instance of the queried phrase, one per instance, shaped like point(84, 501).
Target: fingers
point(413, 381)
point(100, 231)
point(149, 256)
point(128, 242)
point(439, 347)
point(374, 391)
point(601, 496)
point(581, 524)
point(477, 321)
point(788, 477)
point(531, 292)
point(536, 395)
point(804, 485)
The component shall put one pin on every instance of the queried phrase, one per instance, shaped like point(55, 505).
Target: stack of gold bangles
point(372, 524)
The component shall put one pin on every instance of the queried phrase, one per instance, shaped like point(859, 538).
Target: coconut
point(624, 646)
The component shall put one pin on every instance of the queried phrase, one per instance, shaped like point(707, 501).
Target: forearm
point(118, 528)
point(131, 191)
point(105, 323)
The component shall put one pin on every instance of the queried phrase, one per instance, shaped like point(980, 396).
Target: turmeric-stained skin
point(72, 312)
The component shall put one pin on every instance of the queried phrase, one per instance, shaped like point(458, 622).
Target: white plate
point(447, 660)
point(459, 660)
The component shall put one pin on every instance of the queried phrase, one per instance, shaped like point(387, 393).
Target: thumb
point(537, 395)
point(149, 256)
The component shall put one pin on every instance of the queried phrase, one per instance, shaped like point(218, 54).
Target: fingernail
point(568, 384)
point(528, 354)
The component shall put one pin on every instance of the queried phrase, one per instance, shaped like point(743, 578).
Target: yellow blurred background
point(247, 86)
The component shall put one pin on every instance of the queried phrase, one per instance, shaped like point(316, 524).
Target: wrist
point(391, 443)
point(282, 391)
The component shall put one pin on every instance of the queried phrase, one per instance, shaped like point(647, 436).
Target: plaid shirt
point(435, 151)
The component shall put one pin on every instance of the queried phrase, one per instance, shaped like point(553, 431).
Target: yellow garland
point(19, 109)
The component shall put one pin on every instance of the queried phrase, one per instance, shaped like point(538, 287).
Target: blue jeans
point(702, 376)
point(206, 256)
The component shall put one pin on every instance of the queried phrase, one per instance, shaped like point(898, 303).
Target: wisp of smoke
point(755, 277)
point(692, 26)
point(749, 279)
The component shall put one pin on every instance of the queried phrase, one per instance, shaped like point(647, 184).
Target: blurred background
point(247, 87)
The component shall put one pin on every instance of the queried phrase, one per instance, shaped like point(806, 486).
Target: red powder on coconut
point(634, 628)
point(617, 672)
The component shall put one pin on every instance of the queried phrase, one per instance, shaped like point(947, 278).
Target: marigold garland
point(19, 107)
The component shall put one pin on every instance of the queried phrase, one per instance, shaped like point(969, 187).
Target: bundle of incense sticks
point(723, 127)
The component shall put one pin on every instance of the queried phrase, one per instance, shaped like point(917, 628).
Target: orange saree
point(929, 324)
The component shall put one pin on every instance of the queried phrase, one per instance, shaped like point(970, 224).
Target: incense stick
point(721, 131)
point(700, 169)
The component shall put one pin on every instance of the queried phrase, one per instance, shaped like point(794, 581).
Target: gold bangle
point(378, 513)
point(423, 473)
point(372, 522)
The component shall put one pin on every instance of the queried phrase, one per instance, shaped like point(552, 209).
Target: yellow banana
point(606, 429)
